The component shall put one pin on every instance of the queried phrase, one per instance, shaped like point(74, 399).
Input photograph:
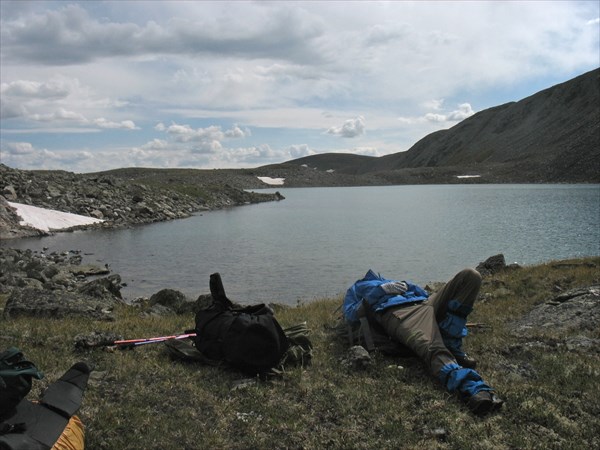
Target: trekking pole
point(153, 340)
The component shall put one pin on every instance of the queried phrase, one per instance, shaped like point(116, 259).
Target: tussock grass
point(141, 399)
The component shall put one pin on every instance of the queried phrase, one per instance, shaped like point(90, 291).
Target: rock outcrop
point(116, 200)
point(55, 285)
point(576, 309)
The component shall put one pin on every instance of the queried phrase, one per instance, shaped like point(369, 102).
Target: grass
point(140, 399)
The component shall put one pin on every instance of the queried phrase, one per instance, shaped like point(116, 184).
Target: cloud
point(123, 125)
point(60, 115)
point(292, 71)
point(185, 133)
point(20, 98)
point(33, 89)
point(69, 35)
point(18, 148)
point(351, 128)
point(463, 111)
point(155, 144)
point(299, 151)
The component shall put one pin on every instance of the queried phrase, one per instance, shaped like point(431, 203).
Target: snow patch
point(48, 219)
point(272, 181)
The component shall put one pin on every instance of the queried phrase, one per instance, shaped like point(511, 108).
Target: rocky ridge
point(119, 202)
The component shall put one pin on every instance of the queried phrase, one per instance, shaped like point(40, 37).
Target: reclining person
point(431, 326)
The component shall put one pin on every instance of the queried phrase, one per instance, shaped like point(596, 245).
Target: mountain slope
point(551, 136)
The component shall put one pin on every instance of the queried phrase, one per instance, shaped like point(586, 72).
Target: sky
point(96, 85)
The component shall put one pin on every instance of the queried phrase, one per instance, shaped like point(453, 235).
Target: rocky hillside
point(119, 201)
point(551, 136)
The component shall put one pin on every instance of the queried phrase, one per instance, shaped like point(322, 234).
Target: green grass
point(140, 399)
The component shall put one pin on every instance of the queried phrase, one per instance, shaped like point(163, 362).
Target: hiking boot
point(465, 360)
point(484, 402)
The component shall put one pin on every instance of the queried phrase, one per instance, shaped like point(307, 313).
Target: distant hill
point(551, 136)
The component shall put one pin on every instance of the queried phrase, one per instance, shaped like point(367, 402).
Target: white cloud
point(33, 89)
point(185, 133)
point(124, 124)
point(350, 129)
point(289, 70)
point(464, 110)
point(155, 144)
point(70, 35)
point(299, 151)
point(18, 148)
point(60, 114)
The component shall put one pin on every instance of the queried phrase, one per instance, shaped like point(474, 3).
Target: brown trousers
point(416, 326)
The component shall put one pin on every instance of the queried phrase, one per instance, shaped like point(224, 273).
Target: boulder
point(95, 339)
point(576, 309)
point(31, 302)
point(104, 288)
point(492, 265)
point(357, 357)
point(172, 299)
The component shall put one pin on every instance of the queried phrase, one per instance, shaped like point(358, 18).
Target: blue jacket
point(380, 293)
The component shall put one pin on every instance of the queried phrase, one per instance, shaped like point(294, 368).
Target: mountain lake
point(318, 241)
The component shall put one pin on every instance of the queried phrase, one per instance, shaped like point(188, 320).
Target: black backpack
point(16, 374)
point(249, 339)
point(27, 425)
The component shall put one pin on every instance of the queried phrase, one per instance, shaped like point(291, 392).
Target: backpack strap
point(366, 332)
point(66, 394)
point(218, 291)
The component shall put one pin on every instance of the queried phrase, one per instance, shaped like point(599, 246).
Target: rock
point(576, 309)
point(9, 193)
point(357, 357)
point(107, 287)
point(30, 302)
point(583, 343)
point(203, 301)
point(88, 270)
point(492, 265)
point(95, 339)
point(172, 299)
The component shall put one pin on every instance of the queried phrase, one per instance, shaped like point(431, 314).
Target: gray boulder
point(577, 309)
point(108, 287)
point(357, 357)
point(174, 300)
point(31, 302)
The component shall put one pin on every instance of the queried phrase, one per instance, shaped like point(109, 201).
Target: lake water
point(318, 241)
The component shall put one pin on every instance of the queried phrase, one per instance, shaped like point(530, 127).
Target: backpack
point(16, 375)
point(249, 339)
point(371, 335)
point(49, 423)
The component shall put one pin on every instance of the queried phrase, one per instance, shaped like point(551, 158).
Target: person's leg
point(463, 287)
point(416, 327)
point(452, 304)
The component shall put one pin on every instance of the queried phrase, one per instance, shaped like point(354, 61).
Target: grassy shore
point(141, 399)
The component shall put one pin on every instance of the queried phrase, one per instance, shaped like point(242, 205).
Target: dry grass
point(140, 399)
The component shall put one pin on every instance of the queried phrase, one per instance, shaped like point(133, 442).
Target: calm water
point(320, 240)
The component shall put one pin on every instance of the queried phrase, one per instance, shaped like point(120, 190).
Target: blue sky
point(93, 85)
